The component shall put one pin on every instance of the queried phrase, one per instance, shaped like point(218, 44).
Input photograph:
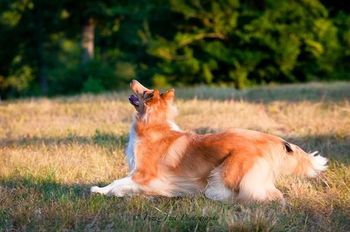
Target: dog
point(234, 165)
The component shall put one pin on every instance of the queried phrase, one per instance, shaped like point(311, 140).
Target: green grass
point(53, 150)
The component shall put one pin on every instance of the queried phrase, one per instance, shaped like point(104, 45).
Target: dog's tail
point(300, 163)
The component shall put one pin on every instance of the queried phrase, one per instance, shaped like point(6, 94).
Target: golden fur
point(235, 164)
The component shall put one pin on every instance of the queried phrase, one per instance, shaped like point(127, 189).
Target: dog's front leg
point(119, 188)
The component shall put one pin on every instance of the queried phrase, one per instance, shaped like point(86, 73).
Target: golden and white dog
point(236, 164)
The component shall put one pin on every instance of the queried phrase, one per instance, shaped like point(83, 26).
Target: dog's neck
point(147, 129)
point(134, 137)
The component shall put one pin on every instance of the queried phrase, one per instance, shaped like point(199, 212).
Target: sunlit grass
point(53, 150)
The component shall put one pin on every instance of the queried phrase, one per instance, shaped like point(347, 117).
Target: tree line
point(67, 46)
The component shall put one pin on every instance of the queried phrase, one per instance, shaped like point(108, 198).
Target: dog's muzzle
point(134, 100)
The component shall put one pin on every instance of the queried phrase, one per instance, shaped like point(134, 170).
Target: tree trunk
point(40, 53)
point(87, 43)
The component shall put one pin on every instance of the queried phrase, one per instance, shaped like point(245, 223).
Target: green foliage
point(283, 42)
point(95, 77)
point(170, 42)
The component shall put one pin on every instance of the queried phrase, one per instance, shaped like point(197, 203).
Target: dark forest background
point(69, 46)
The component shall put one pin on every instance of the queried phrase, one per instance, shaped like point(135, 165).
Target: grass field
point(53, 150)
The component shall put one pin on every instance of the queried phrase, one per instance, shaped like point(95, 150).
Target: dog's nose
point(134, 82)
point(137, 88)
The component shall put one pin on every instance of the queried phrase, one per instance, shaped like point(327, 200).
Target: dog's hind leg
point(216, 189)
point(223, 181)
point(243, 177)
point(119, 188)
point(258, 184)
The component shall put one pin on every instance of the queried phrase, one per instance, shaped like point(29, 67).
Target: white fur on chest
point(131, 148)
point(132, 144)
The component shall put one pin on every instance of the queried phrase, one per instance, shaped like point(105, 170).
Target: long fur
point(236, 164)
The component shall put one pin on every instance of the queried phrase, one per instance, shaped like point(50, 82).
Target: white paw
point(95, 189)
point(218, 193)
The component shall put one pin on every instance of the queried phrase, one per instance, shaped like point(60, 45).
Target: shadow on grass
point(104, 140)
point(47, 188)
point(34, 204)
point(315, 92)
point(72, 206)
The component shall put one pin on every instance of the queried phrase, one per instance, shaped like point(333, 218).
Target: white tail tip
point(318, 162)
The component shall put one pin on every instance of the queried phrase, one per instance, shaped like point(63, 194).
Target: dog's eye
point(147, 95)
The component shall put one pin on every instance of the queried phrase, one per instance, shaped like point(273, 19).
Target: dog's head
point(151, 104)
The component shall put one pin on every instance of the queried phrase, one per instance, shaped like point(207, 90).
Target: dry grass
point(52, 150)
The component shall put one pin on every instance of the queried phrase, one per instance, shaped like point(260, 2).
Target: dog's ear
point(169, 95)
point(156, 95)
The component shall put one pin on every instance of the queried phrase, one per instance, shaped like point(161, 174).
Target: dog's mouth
point(134, 100)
